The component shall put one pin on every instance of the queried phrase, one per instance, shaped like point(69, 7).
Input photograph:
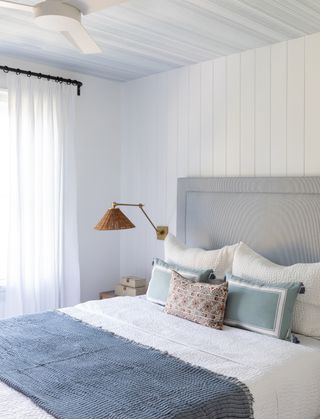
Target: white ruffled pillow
point(219, 260)
point(248, 264)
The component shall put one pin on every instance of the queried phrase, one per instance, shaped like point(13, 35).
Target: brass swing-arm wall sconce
point(115, 219)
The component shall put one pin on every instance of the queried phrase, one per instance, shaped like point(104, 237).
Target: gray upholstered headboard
point(277, 217)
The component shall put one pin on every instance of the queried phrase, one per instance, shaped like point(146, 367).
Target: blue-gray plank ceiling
point(142, 37)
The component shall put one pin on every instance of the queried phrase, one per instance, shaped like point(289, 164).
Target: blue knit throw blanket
point(76, 371)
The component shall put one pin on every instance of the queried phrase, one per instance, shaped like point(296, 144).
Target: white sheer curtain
point(43, 267)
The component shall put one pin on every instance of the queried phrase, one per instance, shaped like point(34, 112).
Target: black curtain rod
point(18, 71)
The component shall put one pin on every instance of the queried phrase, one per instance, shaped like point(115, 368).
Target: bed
point(278, 217)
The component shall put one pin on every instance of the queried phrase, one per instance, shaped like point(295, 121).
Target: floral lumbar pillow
point(198, 302)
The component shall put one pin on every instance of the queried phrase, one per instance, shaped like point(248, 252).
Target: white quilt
point(284, 378)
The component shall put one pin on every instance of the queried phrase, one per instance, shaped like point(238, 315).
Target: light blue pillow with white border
point(261, 307)
point(159, 284)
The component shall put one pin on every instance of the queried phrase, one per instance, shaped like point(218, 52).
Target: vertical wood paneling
point(250, 114)
point(278, 161)
point(194, 146)
point(161, 160)
point(312, 106)
point(183, 121)
point(295, 108)
point(134, 151)
point(262, 112)
point(233, 116)
point(127, 114)
point(206, 119)
point(219, 117)
point(247, 113)
point(172, 146)
point(147, 190)
point(134, 193)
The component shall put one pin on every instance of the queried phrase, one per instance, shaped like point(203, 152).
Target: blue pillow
point(161, 275)
point(261, 306)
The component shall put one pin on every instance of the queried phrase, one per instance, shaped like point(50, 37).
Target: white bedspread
point(284, 378)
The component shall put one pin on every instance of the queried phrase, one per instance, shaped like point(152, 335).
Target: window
point(4, 184)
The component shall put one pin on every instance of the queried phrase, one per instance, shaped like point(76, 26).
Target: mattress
point(284, 378)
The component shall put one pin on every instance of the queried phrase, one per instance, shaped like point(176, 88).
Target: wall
point(251, 114)
point(98, 172)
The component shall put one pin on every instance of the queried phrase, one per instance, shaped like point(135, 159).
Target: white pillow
point(248, 264)
point(219, 260)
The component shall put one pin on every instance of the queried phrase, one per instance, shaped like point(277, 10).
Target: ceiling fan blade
point(16, 6)
point(80, 38)
point(91, 6)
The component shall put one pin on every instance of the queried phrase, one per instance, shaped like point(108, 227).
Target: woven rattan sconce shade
point(114, 219)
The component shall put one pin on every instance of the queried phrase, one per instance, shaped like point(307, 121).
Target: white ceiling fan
point(65, 17)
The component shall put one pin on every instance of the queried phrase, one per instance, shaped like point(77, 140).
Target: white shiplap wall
point(251, 114)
